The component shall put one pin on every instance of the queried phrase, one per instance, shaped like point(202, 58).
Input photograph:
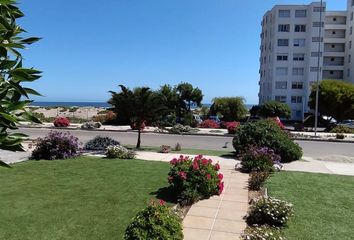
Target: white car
point(347, 123)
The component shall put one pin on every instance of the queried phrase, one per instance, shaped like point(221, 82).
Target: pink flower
point(217, 167)
point(208, 176)
point(195, 165)
point(220, 176)
point(205, 161)
point(170, 179)
point(182, 175)
point(162, 202)
point(221, 187)
point(174, 161)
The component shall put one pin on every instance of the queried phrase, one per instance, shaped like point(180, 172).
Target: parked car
point(347, 123)
point(197, 118)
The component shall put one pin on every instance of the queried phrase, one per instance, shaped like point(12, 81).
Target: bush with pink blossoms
point(232, 127)
point(61, 122)
point(193, 179)
point(209, 124)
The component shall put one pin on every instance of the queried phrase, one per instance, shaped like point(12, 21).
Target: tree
point(230, 108)
point(336, 99)
point(14, 98)
point(254, 111)
point(188, 95)
point(144, 106)
point(274, 109)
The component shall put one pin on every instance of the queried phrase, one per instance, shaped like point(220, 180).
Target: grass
point(206, 152)
point(323, 204)
point(83, 198)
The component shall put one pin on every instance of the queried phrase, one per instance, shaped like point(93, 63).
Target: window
point(316, 54)
point(300, 13)
point(300, 28)
point(348, 72)
point(281, 71)
point(298, 71)
point(350, 44)
point(318, 9)
point(314, 69)
point(349, 58)
point(352, 16)
point(317, 39)
point(284, 13)
point(281, 85)
point(299, 42)
point(283, 42)
point(281, 99)
point(284, 28)
point(282, 57)
point(297, 85)
point(296, 99)
point(299, 57)
point(318, 24)
point(351, 31)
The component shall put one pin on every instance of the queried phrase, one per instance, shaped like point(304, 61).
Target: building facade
point(291, 51)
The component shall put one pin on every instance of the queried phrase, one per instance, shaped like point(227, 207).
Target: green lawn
point(206, 152)
point(324, 204)
point(84, 198)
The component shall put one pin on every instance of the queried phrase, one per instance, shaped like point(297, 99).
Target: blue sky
point(89, 47)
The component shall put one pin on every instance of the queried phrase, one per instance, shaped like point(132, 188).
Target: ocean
point(91, 104)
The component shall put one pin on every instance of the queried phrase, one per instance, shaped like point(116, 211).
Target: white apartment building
point(290, 46)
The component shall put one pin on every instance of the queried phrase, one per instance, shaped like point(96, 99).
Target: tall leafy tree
point(189, 95)
point(336, 99)
point(274, 109)
point(144, 106)
point(13, 96)
point(230, 108)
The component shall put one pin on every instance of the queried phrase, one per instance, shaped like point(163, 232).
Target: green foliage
point(259, 159)
point(342, 129)
point(100, 143)
point(340, 136)
point(91, 125)
point(254, 111)
point(336, 99)
point(274, 109)
point(262, 233)
point(188, 95)
point(230, 108)
point(14, 98)
point(270, 211)
point(266, 133)
point(156, 222)
point(257, 180)
point(118, 151)
point(194, 179)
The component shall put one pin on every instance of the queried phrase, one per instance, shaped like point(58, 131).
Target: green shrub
point(118, 151)
point(342, 129)
point(194, 179)
point(165, 149)
point(259, 159)
point(180, 129)
point(340, 136)
point(156, 222)
point(91, 125)
point(262, 233)
point(257, 180)
point(266, 133)
point(270, 211)
point(100, 143)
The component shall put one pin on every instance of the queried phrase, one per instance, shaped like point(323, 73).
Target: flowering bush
point(262, 233)
point(270, 211)
point(118, 151)
point(209, 124)
point(266, 133)
point(134, 126)
point(165, 149)
point(100, 143)
point(180, 129)
point(157, 221)
point(109, 116)
point(61, 122)
point(195, 179)
point(231, 127)
point(257, 180)
point(259, 159)
point(278, 122)
point(56, 145)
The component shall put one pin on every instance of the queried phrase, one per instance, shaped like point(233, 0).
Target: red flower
point(174, 161)
point(205, 161)
point(208, 176)
point(217, 167)
point(195, 165)
point(221, 187)
point(220, 176)
point(182, 175)
point(162, 202)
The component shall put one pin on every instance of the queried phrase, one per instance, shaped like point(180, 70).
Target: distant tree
point(336, 99)
point(13, 96)
point(188, 95)
point(144, 105)
point(169, 98)
point(230, 108)
point(254, 111)
point(274, 109)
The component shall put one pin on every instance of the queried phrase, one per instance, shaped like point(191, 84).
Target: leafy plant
point(157, 221)
point(259, 159)
point(209, 124)
point(270, 211)
point(165, 149)
point(91, 125)
point(56, 145)
point(266, 133)
point(231, 127)
point(61, 122)
point(274, 109)
point(194, 179)
point(180, 129)
point(100, 143)
point(342, 129)
point(257, 180)
point(340, 136)
point(230, 108)
point(262, 233)
point(118, 151)
point(14, 98)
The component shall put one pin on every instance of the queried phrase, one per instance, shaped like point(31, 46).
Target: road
point(310, 148)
